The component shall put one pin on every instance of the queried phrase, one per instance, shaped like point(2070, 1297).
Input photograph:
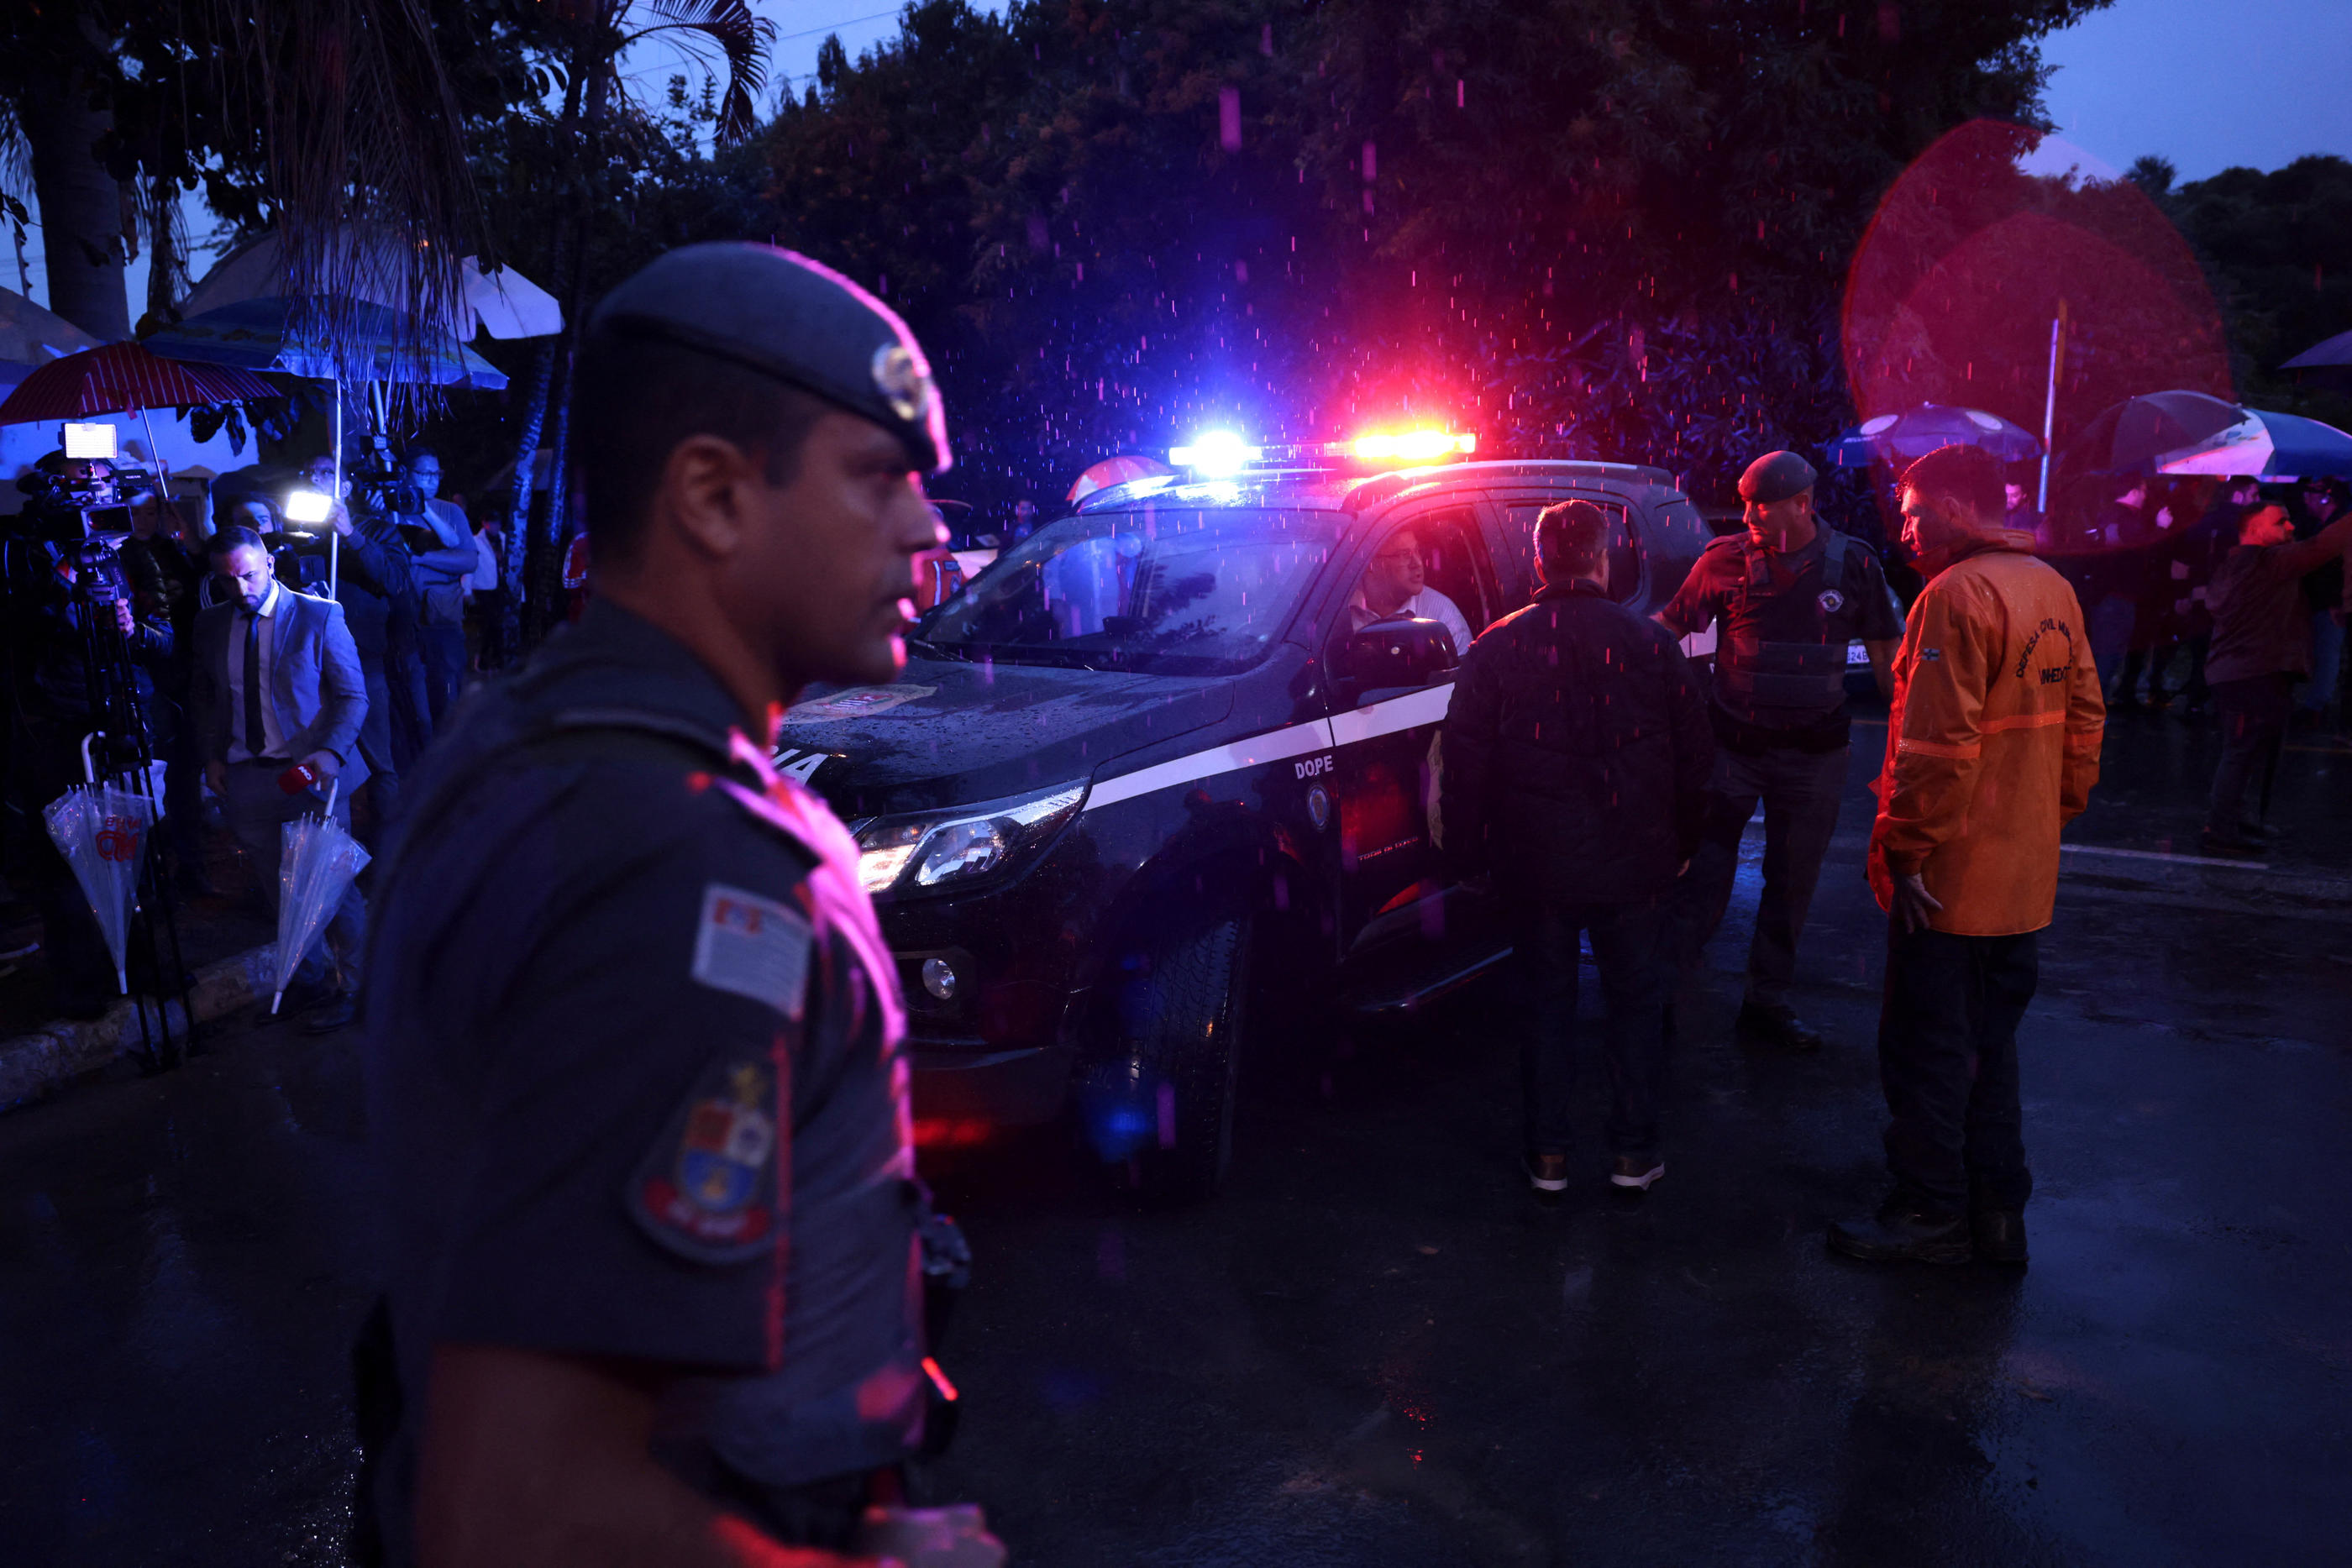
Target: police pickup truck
point(1159, 770)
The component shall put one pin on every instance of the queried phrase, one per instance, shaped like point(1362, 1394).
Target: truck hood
point(947, 733)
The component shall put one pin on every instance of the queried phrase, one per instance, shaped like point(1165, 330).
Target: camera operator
point(79, 657)
point(168, 577)
point(446, 558)
point(376, 585)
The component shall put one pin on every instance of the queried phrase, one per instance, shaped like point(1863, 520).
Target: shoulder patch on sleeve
point(754, 946)
point(707, 1189)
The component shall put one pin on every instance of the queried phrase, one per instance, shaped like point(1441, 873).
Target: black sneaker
point(1778, 1028)
point(1999, 1235)
point(1901, 1234)
point(328, 1016)
point(1547, 1172)
point(2255, 833)
point(1636, 1171)
point(2229, 845)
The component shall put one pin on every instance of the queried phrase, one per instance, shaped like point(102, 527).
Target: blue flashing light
point(1216, 454)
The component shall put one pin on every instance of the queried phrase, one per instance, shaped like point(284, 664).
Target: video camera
point(379, 489)
point(83, 476)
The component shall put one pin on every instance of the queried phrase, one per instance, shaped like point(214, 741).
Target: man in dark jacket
point(2262, 646)
point(1577, 755)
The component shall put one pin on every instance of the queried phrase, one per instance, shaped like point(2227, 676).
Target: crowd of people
point(172, 634)
point(635, 1054)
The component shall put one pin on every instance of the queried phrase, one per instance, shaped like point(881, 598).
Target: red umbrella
point(124, 378)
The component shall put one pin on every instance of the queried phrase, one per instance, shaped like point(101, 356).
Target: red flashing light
point(1409, 445)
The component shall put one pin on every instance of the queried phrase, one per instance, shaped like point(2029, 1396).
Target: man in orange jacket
point(1992, 746)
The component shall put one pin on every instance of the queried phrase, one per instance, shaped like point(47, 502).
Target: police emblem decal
point(707, 1189)
point(754, 946)
point(901, 381)
point(1831, 601)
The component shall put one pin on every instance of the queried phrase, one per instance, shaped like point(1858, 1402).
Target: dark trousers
point(2254, 716)
point(1799, 792)
point(1625, 950)
point(1948, 1063)
point(442, 650)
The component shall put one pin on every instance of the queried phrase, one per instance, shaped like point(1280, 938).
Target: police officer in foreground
point(1788, 594)
point(634, 1053)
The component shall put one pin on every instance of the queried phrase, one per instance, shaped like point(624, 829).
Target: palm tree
point(304, 114)
point(593, 37)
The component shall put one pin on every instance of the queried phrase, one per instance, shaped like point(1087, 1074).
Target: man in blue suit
point(276, 687)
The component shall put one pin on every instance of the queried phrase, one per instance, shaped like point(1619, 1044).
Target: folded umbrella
point(1894, 438)
point(102, 831)
point(317, 864)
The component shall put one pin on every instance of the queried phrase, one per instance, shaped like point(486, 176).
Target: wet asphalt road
point(1377, 1348)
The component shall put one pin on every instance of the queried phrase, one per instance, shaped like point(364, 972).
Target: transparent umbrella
point(318, 862)
point(103, 831)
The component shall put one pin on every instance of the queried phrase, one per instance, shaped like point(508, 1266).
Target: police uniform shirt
point(1782, 598)
point(635, 1087)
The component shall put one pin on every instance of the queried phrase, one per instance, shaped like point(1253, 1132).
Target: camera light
point(89, 443)
point(307, 507)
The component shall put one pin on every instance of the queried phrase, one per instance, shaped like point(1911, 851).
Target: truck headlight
point(922, 851)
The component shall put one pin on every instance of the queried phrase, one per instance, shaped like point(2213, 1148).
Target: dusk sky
point(2206, 83)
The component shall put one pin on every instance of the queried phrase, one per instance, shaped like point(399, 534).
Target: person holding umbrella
point(2262, 646)
point(636, 1067)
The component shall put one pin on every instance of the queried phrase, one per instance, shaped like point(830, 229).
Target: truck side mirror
point(1400, 654)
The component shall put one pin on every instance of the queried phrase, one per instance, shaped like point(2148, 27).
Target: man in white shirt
point(1396, 583)
point(276, 687)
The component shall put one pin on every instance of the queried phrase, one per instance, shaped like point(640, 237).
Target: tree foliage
point(1608, 228)
point(2279, 248)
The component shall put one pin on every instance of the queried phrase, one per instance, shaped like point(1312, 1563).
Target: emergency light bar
point(1221, 453)
point(1216, 454)
point(1412, 446)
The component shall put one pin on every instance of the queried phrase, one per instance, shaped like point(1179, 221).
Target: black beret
point(1776, 476)
point(796, 319)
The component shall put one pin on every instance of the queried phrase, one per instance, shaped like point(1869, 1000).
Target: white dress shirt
point(1427, 605)
point(272, 736)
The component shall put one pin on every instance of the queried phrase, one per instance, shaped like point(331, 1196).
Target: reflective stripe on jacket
point(1992, 742)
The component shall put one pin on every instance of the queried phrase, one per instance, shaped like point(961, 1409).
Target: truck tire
point(1164, 1101)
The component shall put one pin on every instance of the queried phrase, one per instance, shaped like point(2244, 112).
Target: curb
point(35, 1065)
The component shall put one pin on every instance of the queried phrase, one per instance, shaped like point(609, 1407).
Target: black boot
point(1900, 1232)
point(1778, 1028)
point(1999, 1235)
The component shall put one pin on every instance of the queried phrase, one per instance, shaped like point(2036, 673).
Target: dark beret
point(796, 319)
point(1776, 476)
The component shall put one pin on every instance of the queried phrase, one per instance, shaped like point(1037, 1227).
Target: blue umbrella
point(279, 333)
point(2266, 445)
point(1895, 438)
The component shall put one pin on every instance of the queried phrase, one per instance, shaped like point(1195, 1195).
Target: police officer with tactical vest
point(657, 1255)
point(1787, 594)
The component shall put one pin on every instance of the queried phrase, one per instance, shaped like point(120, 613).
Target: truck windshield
point(1161, 591)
